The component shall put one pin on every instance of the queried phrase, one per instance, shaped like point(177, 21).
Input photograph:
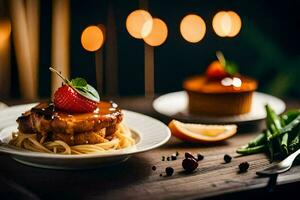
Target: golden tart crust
point(211, 98)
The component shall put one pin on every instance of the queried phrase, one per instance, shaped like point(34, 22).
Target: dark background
point(267, 48)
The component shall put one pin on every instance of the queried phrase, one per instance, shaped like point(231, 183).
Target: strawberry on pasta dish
point(76, 122)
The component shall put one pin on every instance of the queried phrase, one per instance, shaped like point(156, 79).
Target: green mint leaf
point(83, 88)
point(93, 92)
point(88, 92)
point(231, 68)
point(78, 82)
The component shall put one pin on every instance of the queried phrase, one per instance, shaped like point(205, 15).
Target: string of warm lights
point(140, 25)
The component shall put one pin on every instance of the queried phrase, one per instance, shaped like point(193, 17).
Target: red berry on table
point(189, 164)
point(69, 100)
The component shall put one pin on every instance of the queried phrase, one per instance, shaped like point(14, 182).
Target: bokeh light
point(192, 28)
point(139, 24)
point(158, 34)
point(227, 24)
point(5, 30)
point(92, 38)
point(236, 24)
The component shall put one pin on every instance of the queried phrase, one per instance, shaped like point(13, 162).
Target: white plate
point(175, 105)
point(2, 105)
point(148, 132)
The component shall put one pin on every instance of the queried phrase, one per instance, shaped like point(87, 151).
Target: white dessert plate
point(148, 132)
point(2, 105)
point(175, 105)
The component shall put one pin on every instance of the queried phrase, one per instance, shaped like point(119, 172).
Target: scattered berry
point(243, 167)
point(160, 174)
point(189, 164)
point(153, 168)
point(177, 153)
point(200, 157)
point(163, 158)
point(168, 158)
point(173, 157)
point(169, 171)
point(67, 99)
point(227, 158)
point(189, 155)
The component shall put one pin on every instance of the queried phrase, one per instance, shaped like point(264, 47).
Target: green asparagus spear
point(259, 140)
point(270, 145)
point(281, 138)
point(284, 144)
point(272, 118)
point(251, 150)
point(295, 142)
point(286, 128)
point(290, 116)
point(274, 124)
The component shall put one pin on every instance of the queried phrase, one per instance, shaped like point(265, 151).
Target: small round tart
point(224, 97)
point(203, 85)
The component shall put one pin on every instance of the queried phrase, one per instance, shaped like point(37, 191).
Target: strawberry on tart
point(221, 91)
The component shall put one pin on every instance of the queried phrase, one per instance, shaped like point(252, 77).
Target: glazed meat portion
point(44, 119)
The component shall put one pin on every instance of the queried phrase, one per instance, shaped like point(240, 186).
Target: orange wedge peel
point(201, 133)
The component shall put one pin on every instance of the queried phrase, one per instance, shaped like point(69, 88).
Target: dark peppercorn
point(173, 157)
point(168, 158)
point(163, 158)
point(177, 153)
point(153, 168)
point(189, 164)
point(160, 174)
point(243, 166)
point(227, 158)
point(200, 157)
point(189, 155)
point(169, 171)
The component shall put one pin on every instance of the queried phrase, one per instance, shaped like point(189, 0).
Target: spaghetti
point(121, 139)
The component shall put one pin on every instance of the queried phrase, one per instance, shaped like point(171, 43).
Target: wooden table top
point(134, 179)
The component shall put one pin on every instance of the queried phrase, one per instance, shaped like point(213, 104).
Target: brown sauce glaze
point(104, 110)
point(44, 119)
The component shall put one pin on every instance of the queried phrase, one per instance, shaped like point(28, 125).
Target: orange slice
point(201, 133)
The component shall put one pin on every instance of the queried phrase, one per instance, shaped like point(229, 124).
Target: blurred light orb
point(158, 34)
point(139, 24)
point(92, 38)
point(192, 28)
point(5, 30)
point(227, 24)
point(236, 24)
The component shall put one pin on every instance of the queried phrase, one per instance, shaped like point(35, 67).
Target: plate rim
point(122, 152)
point(210, 119)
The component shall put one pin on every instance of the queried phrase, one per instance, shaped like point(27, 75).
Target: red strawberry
point(216, 71)
point(67, 99)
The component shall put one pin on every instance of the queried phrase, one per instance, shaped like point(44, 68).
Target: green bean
point(284, 144)
point(286, 128)
point(294, 142)
point(290, 116)
point(281, 138)
point(274, 124)
point(251, 150)
point(273, 121)
point(259, 140)
point(270, 145)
